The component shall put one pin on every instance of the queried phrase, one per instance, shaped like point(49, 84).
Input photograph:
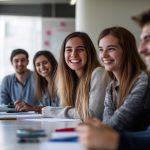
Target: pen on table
point(65, 139)
point(65, 130)
point(12, 111)
point(8, 118)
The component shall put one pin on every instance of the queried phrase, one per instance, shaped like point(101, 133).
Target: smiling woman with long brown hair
point(126, 94)
point(81, 83)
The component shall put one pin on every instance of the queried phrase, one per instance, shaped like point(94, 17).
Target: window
point(18, 32)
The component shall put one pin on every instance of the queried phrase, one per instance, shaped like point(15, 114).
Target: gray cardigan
point(96, 99)
point(131, 115)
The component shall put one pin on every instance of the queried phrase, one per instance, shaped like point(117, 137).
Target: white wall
point(94, 15)
point(31, 34)
point(54, 31)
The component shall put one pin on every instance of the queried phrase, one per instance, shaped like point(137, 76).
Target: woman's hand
point(95, 135)
point(23, 106)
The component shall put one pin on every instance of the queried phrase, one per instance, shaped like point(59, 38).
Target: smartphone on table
point(29, 134)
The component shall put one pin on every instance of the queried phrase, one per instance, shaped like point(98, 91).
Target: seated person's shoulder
point(142, 79)
point(144, 74)
point(99, 69)
point(8, 77)
point(100, 72)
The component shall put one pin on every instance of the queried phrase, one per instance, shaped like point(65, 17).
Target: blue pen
point(65, 139)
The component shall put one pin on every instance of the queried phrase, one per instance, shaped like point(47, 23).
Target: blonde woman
point(81, 80)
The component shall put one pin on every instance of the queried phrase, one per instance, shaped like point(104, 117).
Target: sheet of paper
point(52, 119)
point(20, 115)
point(63, 134)
point(5, 109)
point(60, 146)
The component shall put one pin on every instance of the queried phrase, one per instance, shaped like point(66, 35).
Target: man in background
point(93, 134)
point(143, 21)
point(19, 85)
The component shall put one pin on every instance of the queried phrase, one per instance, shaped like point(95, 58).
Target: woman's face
point(110, 53)
point(75, 55)
point(43, 66)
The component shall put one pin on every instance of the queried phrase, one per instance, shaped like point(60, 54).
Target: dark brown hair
point(131, 65)
point(41, 82)
point(142, 18)
point(18, 51)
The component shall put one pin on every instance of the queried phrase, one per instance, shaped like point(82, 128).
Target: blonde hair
point(73, 91)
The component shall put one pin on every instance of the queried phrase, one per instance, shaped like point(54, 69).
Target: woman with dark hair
point(45, 66)
point(81, 80)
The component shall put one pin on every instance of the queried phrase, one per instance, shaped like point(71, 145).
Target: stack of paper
point(53, 119)
point(18, 115)
point(4, 108)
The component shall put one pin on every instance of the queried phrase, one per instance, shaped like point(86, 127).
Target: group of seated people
point(114, 87)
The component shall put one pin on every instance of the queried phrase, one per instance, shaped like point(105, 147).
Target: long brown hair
point(131, 65)
point(40, 82)
point(72, 90)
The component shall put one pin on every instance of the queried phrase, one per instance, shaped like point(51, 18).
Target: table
point(8, 138)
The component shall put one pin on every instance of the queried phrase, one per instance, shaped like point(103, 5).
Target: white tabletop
point(9, 140)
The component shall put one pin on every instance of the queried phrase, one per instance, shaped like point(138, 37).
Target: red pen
point(65, 130)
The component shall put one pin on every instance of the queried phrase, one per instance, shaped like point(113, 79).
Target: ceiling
point(32, 1)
